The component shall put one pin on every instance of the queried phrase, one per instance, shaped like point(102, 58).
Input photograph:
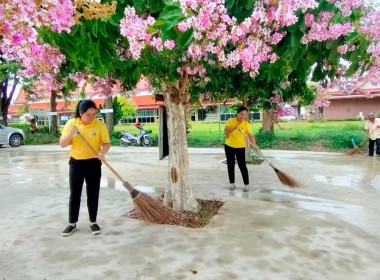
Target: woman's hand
point(101, 156)
point(73, 130)
point(65, 140)
point(254, 145)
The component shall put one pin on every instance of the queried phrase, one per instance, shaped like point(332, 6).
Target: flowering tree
point(177, 43)
point(19, 41)
point(274, 42)
point(32, 33)
point(314, 46)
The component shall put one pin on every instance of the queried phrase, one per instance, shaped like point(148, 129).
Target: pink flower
point(182, 26)
point(169, 44)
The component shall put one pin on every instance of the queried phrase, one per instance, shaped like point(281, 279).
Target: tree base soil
point(208, 208)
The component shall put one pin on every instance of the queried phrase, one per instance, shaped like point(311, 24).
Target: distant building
point(355, 105)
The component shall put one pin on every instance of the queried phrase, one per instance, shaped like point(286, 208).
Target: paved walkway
point(327, 229)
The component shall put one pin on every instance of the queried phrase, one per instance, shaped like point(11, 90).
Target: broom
point(355, 149)
point(148, 208)
point(284, 178)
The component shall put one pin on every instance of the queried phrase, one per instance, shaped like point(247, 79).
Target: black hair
point(242, 108)
point(83, 106)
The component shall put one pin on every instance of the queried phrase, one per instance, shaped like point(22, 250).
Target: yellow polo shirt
point(96, 134)
point(236, 138)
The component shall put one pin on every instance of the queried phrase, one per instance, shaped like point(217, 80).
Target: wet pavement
point(327, 229)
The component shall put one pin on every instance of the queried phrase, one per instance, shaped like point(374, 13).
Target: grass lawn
point(291, 135)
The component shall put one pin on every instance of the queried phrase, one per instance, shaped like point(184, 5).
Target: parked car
point(11, 136)
point(288, 118)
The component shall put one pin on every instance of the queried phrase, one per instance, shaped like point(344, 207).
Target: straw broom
point(148, 208)
point(355, 149)
point(284, 178)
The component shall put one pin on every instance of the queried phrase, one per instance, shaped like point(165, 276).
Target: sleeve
point(229, 122)
point(247, 128)
point(104, 135)
point(366, 125)
point(67, 127)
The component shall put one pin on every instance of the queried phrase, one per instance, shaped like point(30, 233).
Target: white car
point(11, 136)
point(288, 118)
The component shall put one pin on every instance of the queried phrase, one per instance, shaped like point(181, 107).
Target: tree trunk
point(268, 124)
point(53, 108)
point(178, 190)
point(3, 110)
point(5, 101)
point(109, 116)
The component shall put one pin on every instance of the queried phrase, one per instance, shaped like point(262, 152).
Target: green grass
point(293, 135)
point(298, 135)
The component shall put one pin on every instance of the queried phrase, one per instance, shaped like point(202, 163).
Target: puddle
point(118, 186)
point(376, 183)
point(351, 181)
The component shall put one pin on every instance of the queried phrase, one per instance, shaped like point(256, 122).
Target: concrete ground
point(327, 229)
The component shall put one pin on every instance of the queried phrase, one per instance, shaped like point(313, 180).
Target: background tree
point(8, 82)
point(117, 110)
point(128, 108)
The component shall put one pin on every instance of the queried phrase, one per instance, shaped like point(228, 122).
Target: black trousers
point(239, 153)
point(371, 146)
point(88, 170)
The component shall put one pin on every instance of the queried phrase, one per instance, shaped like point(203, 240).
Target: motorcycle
point(129, 138)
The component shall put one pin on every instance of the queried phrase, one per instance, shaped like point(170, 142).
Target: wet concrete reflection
point(116, 185)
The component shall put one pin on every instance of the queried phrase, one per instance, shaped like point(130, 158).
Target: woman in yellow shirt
point(236, 129)
point(84, 166)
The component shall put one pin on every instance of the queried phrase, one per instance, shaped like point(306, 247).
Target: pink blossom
point(157, 43)
point(182, 26)
point(169, 44)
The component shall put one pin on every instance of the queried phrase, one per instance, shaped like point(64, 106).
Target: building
point(354, 105)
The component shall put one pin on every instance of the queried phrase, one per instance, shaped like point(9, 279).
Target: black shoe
point(95, 229)
point(370, 155)
point(68, 230)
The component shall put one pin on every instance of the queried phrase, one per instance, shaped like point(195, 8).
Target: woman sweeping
point(83, 165)
point(235, 130)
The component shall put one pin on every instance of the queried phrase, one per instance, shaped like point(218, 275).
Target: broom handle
point(125, 183)
point(366, 139)
point(257, 149)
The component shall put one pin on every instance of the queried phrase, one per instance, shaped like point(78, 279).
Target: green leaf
point(229, 4)
point(169, 24)
point(74, 29)
point(352, 37)
point(352, 69)
point(83, 31)
point(102, 29)
point(113, 21)
point(94, 28)
point(172, 11)
point(155, 6)
point(139, 4)
point(333, 56)
point(185, 39)
point(168, 34)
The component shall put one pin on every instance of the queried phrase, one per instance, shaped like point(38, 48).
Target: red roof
point(13, 110)
point(146, 102)
point(355, 94)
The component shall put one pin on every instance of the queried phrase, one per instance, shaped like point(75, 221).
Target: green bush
point(266, 139)
point(23, 126)
point(41, 138)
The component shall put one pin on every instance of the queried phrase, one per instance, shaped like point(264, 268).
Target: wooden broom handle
point(366, 139)
point(253, 146)
point(104, 161)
